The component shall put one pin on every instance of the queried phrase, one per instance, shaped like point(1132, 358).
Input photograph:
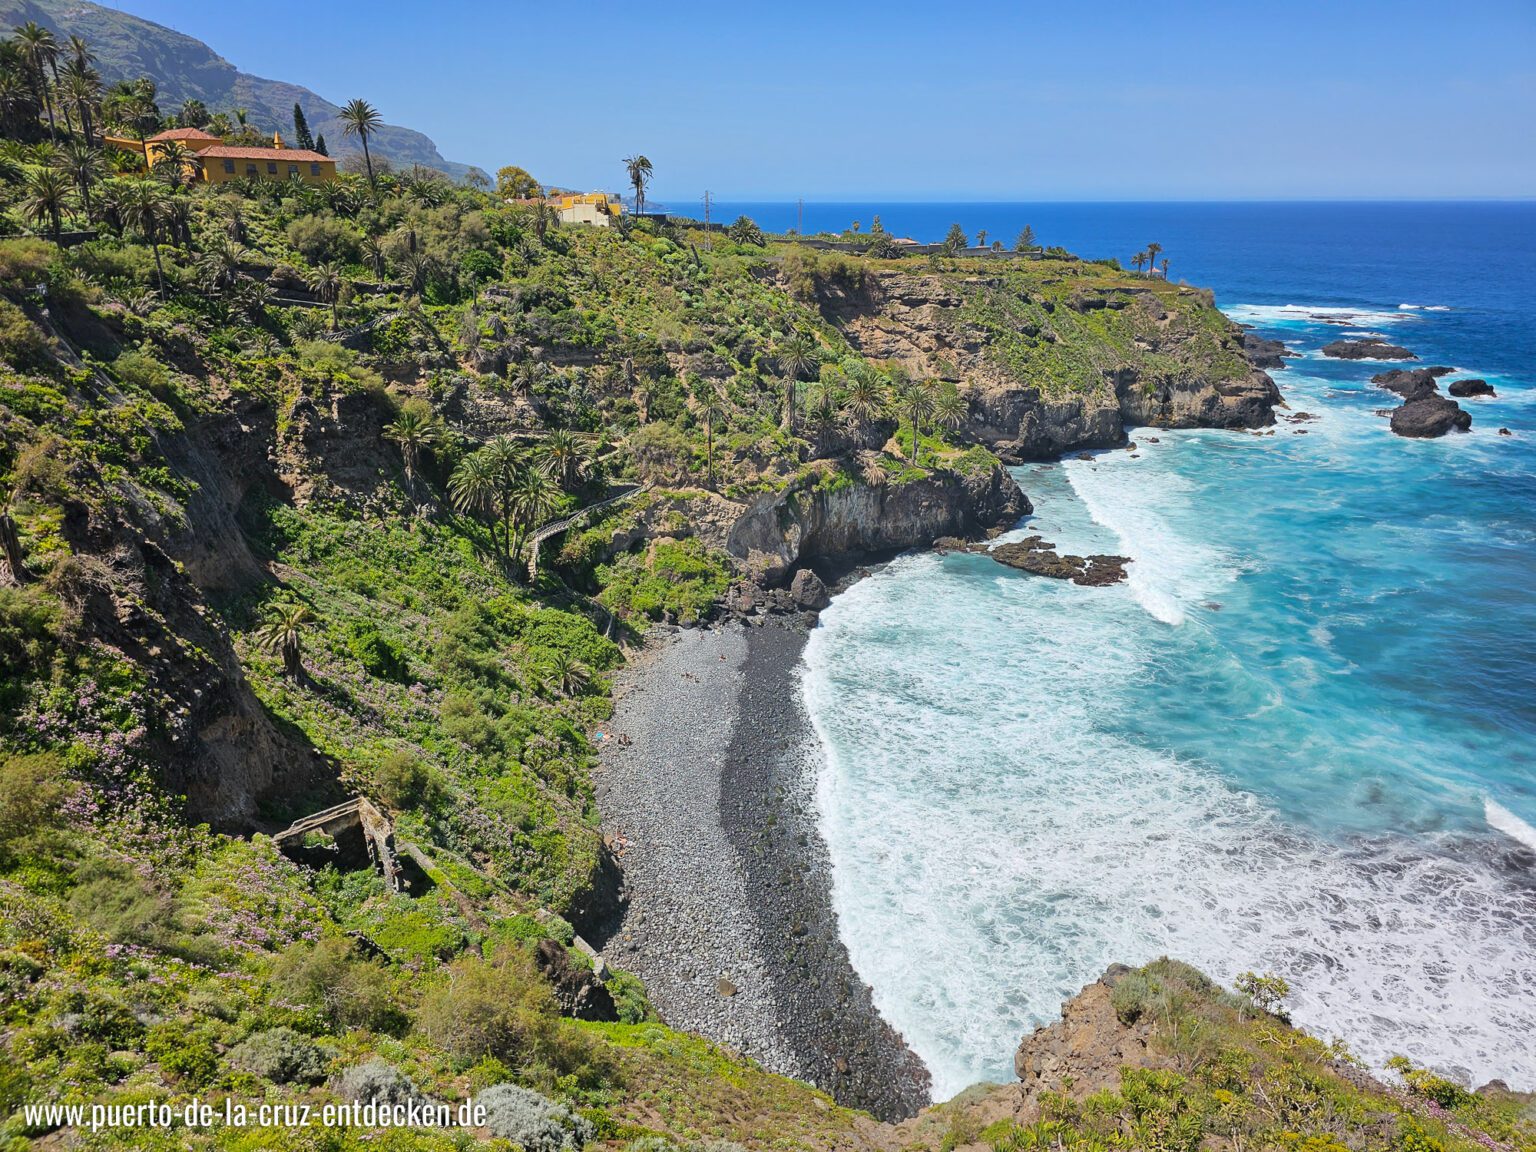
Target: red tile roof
point(280, 155)
point(183, 134)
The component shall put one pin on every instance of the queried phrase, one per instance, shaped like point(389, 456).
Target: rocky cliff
point(1052, 361)
point(814, 519)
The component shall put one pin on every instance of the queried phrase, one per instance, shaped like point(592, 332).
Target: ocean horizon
point(1299, 739)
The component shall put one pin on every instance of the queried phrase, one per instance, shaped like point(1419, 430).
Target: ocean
point(1301, 739)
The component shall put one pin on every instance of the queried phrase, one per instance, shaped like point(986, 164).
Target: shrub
point(323, 238)
point(139, 370)
point(118, 902)
point(629, 998)
point(31, 789)
point(190, 1058)
point(22, 345)
point(280, 1055)
point(401, 780)
point(376, 1080)
point(1267, 991)
point(24, 262)
point(501, 1008)
point(537, 1123)
point(1132, 997)
point(353, 992)
point(677, 577)
point(381, 656)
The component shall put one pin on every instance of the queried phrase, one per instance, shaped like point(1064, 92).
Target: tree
point(320, 145)
point(865, 401)
point(82, 164)
point(361, 119)
point(955, 240)
point(46, 200)
point(514, 183)
point(567, 675)
point(1165, 267)
point(711, 407)
point(283, 634)
point(39, 50)
point(174, 162)
point(981, 238)
point(1152, 250)
point(220, 263)
point(301, 135)
point(744, 230)
point(918, 399)
point(193, 114)
point(372, 253)
point(1026, 240)
point(565, 459)
point(325, 281)
point(640, 172)
point(473, 488)
point(145, 206)
point(950, 409)
point(1140, 260)
point(415, 430)
point(534, 497)
point(82, 86)
point(796, 357)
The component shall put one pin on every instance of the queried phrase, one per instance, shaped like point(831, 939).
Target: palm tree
point(1152, 250)
point(1165, 267)
point(82, 85)
point(1139, 260)
point(981, 238)
point(415, 430)
point(193, 114)
point(220, 264)
point(472, 488)
point(174, 162)
point(40, 50)
point(325, 282)
point(82, 164)
point(567, 675)
point(373, 254)
point(418, 268)
point(865, 401)
point(361, 119)
point(147, 208)
point(47, 198)
point(796, 357)
point(640, 172)
point(283, 634)
point(918, 398)
point(950, 409)
point(533, 498)
point(711, 408)
point(565, 459)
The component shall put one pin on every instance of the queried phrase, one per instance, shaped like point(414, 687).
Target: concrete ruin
point(352, 835)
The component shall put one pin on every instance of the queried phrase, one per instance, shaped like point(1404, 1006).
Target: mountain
point(183, 68)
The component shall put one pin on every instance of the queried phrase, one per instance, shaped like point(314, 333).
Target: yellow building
point(597, 208)
point(218, 163)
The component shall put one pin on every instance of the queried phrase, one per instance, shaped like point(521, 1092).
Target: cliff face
point(806, 522)
point(1051, 363)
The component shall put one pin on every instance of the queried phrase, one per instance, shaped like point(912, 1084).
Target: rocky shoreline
point(706, 783)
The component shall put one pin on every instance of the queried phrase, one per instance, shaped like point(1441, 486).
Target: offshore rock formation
point(1368, 349)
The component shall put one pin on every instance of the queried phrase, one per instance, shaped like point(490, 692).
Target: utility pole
point(800, 218)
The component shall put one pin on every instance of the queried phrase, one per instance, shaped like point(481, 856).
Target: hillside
point(184, 68)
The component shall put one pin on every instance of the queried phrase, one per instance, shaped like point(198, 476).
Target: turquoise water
point(1301, 738)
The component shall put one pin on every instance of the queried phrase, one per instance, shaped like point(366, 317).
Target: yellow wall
point(215, 171)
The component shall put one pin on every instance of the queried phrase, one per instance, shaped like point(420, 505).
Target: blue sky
point(978, 101)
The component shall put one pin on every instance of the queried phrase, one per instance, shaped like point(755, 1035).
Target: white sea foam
point(1505, 821)
point(998, 838)
point(1170, 572)
point(1265, 314)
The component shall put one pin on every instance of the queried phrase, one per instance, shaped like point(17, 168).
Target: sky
point(985, 100)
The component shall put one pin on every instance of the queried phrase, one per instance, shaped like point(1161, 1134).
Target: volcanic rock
point(1369, 349)
point(808, 590)
point(1409, 383)
point(1429, 417)
point(1470, 388)
point(1039, 557)
point(1263, 353)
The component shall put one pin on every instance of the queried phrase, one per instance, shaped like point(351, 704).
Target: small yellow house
point(218, 163)
point(597, 208)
